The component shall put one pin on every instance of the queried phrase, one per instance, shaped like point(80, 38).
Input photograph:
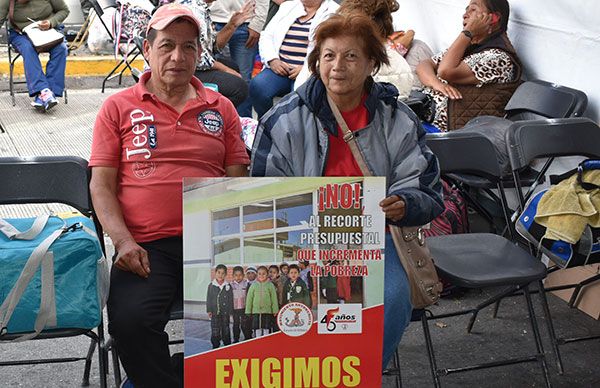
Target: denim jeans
point(265, 86)
point(396, 301)
point(54, 78)
point(244, 57)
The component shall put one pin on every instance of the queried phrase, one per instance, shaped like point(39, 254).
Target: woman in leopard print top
point(481, 54)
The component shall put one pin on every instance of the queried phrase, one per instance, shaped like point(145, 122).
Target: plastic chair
point(49, 179)
point(462, 154)
point(532, 100)
point(529, 140)
point(13, 55)
point(128, 58)
point(537, 99)
point(480, 260)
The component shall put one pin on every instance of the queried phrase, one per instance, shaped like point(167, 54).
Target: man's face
point(173, 53)
point(220, 274)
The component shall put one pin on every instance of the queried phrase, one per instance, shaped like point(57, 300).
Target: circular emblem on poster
point(295, 319)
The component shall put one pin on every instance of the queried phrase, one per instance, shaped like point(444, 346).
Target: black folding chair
point(537, 99)
point(529, 140)
point(127, 59)
point(13, 55)
point(532, 100)
point(480, 260)
point(49, 179)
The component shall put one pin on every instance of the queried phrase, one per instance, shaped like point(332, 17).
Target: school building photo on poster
point(267, 260)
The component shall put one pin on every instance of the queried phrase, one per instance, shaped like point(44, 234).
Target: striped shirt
point(295, 44)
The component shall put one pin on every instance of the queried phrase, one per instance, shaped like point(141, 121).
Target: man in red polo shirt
point(146, 139)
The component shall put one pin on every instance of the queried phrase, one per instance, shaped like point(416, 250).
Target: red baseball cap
point(168, 13)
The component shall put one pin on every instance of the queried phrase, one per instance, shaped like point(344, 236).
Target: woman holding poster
point(301, 137)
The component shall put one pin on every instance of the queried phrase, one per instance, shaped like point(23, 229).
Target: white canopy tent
point(557, 40)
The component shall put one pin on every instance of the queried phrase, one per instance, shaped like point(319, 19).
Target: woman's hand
point(279, 67)
point(393, 207)
point(447, 90)
point(294, 71)
point(44, 25)
point(480, 25)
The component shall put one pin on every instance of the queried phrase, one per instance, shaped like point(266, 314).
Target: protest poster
point(283, 282)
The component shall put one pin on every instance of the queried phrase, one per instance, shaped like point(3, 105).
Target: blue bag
point(52, 276)
point(564, 254)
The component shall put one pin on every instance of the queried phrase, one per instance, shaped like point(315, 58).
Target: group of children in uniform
point(254, 301)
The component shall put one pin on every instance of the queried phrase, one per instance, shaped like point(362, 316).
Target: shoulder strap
point(14, 234)
point(349, 138)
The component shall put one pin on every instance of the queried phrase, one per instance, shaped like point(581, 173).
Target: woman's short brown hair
point(378, 10)
point(355, 25)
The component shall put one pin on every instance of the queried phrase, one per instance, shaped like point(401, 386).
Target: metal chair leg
point(397, 367)
point(101, 355)
point(550, 326)
point(429, 345)
point(11, 82)
point(536, 333)
point(88, 363)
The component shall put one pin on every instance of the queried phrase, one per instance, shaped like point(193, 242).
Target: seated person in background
point(481, 54)
point(273, 8)
point(146, 139)
point(398, 71)
point(243, 45)
point(223, 73)
point(284, 46)
point(301, 137)
point(44, 87)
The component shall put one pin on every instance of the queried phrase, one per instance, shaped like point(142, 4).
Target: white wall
point(557, 40)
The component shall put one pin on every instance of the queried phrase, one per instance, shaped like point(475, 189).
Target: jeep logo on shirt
point(211, 121)
point(144, 139)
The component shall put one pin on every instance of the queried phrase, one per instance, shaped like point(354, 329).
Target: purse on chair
point(42, 40)
point(425, 286)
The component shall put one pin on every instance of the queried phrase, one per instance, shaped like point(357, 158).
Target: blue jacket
point(292, 139)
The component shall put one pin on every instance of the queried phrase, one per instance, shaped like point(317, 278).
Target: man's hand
point(393, 207)
point(294, 71)
point(132, 258)
point(252, 38)
point(246, 12)
point(279, 67)
point(44, 25)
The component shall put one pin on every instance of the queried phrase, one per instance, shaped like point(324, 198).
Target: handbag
point(42, 40)
point(425, 286)
point(53, 275)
